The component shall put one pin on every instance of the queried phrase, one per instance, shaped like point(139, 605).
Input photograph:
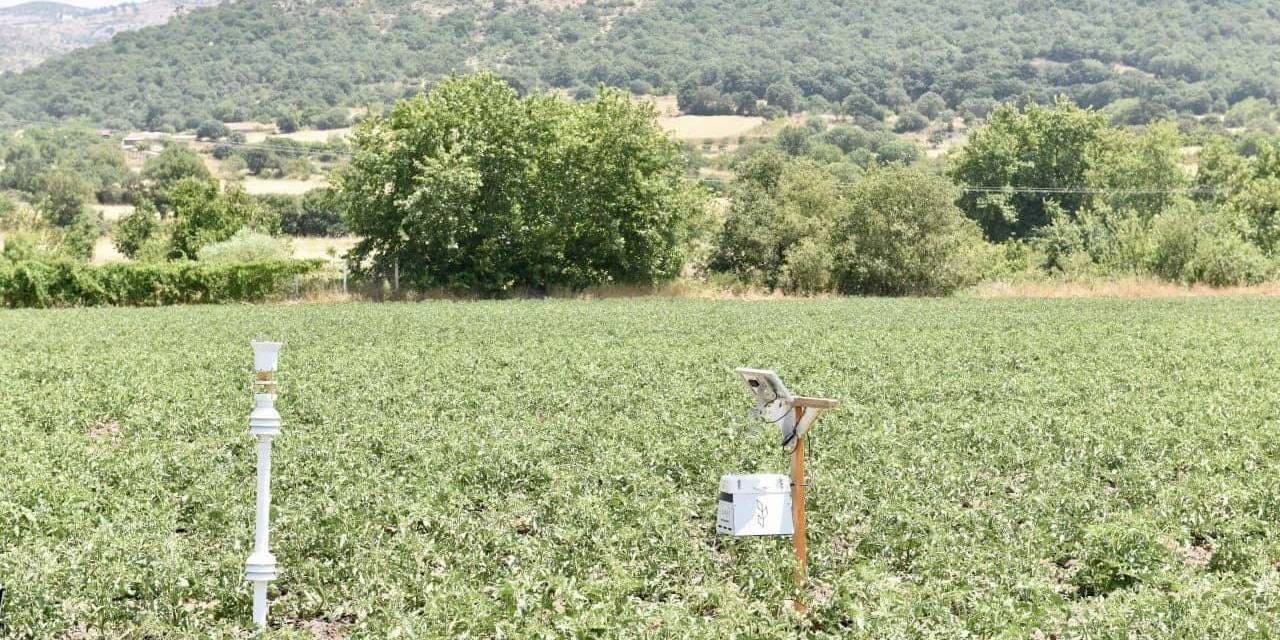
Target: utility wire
point(1010, 189)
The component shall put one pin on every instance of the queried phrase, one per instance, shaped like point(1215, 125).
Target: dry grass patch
point(698, 128)
point(1120, 288)
point(261, 186)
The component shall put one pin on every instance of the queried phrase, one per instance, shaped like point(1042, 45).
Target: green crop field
point(548, 469)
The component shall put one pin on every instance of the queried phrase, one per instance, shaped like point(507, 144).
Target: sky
point(90, 4)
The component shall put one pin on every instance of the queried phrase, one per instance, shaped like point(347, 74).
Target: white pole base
point(260, 603)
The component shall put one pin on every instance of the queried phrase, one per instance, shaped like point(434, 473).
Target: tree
point(931, 105)
point(910, 121)
point(65, 195)
point(212, 130)
point(164, 172)
point(1023, 150)
point(783, 95)
point(858, 104)
point(794, 140)
point(133, 231)
point(900, 233)
point(485, 191)
point(781, 210)
point(205, 216)
point(1138, 172)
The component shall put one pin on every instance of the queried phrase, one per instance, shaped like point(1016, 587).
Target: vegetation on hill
point(264, 60)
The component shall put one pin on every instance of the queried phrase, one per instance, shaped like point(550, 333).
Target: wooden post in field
point(800, 538)
point(794, 415)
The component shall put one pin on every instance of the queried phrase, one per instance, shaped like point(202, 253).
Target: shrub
point(808, 267)
point(133, 230)
point(900, 233)
point(34, 283)
point(910, 121)
point(212, 130)
point(1190, 246)
point(316, 213)
point(484, 191)
point(332, 119)
point(246, 246)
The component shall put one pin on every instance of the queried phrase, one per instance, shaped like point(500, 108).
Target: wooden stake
point(800, 537)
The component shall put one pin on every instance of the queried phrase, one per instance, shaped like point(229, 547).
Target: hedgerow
point(34, 283)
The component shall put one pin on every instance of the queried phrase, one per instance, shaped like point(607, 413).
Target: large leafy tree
point(900, 233)
point(472, 188)
point(163, 173)
point(1018, 154)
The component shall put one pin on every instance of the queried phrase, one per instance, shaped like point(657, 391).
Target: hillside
point(259, 59)
point(36, 31)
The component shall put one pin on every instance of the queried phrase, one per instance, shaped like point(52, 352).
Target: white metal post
point(264, 423)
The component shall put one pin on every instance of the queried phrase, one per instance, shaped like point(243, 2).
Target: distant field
point(698, 128)
point(548, 469)
point(262, 186)
point(301, 136)
point(324, 248)
point(113, 212)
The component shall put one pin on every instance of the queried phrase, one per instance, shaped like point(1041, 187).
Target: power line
point(1010, 189)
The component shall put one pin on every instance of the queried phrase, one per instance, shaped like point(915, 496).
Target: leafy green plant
point(42, 283)
point(444, 471)
point(246, 246)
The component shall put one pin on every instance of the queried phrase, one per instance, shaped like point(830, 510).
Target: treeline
point(64, 283)
point(300, 63)
point(189, 239)
point(475, 189)
point(1038, 192)
point(535, 195)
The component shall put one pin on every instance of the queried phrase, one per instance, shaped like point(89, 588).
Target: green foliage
point(64, 198)
point(212, 130)
point(27, 162)
point(910, 121)
point(22, 246)
point(133, 231)
point(483, 191)
point(1141, 172)
point(42, 284)
point(77, 240)
point(776, 204)
point(1118, 555)
point(246, 246)
point(1248, 111)
point(163, 173)
point(1249, 191)
point(8, 209)
point(205, 216)
point(1034, 147)
point(900, 233)
point(298, 61)
point(1192, 246)
point(985, 453)
point(807, 267)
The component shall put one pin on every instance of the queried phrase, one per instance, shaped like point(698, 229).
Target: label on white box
point(756, 505)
